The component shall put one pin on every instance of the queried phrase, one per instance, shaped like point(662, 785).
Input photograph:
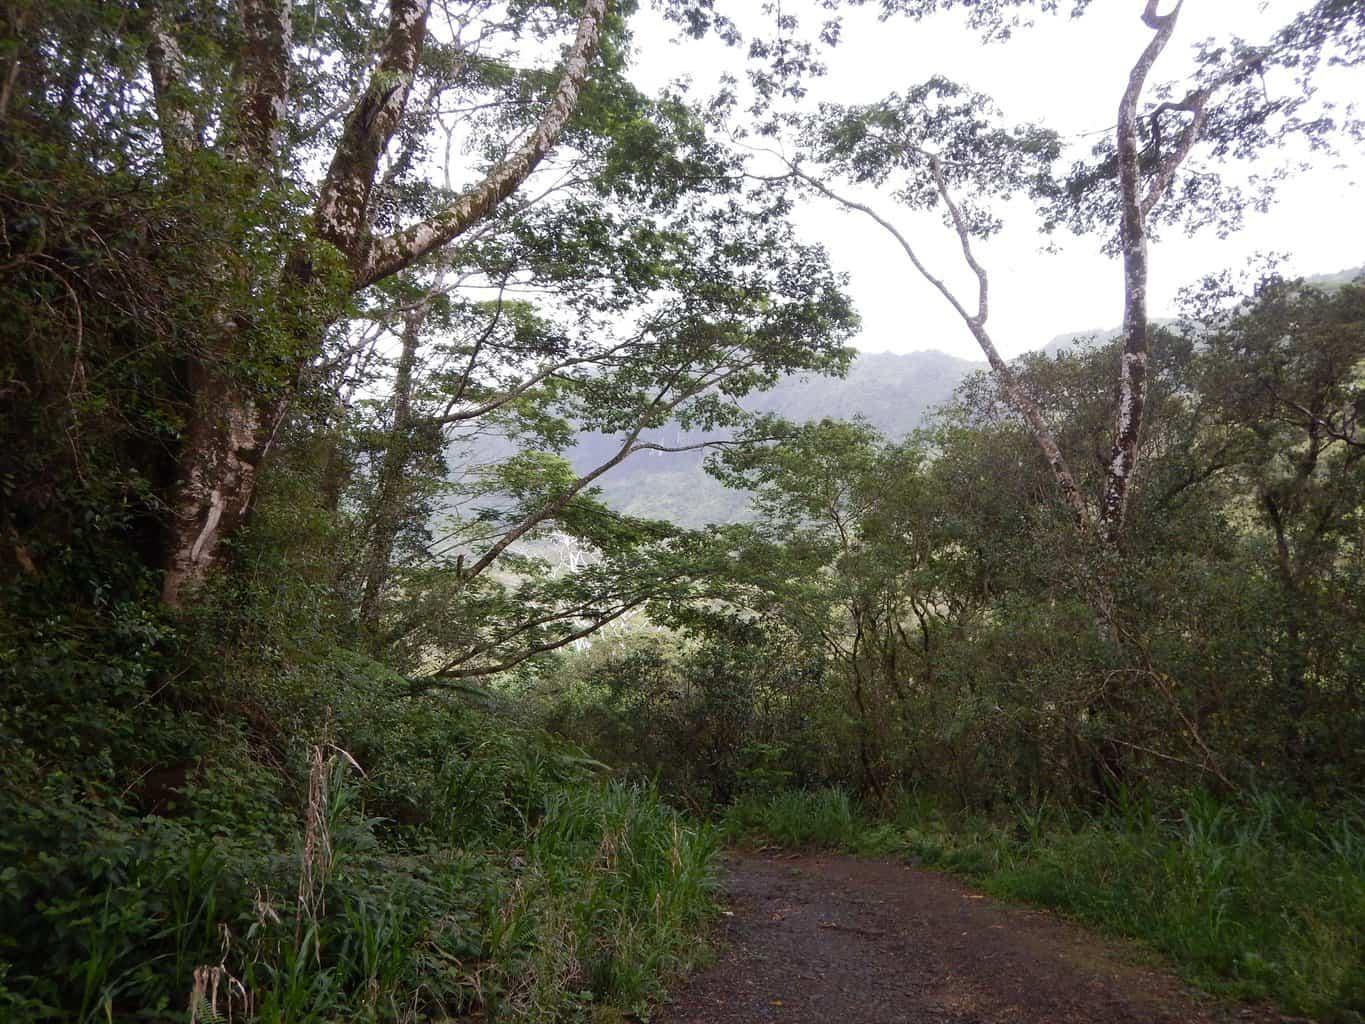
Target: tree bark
point(390, 486)
point(215, 481)
point(1132, 399)
point(342, 215)
point(263, 102)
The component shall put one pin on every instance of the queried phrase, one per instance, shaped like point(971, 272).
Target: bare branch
point(982, 284)
point(473, 360)
point(1196, 104)
point(1018, 399)
point(700, 445)
point(520, 388)
point(597, 623)
point(561, 501)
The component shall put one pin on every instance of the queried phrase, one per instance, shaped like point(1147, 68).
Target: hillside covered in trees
point(442, 505)
point(894, 393)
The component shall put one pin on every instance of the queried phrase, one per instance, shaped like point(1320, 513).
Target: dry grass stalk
point(316, 860)
point(212, 981)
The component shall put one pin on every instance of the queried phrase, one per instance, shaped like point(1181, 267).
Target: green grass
point(1259, 899)
point(615, 892)
point(823, 818)
point(522, 886)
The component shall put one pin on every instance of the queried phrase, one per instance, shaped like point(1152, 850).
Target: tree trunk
point(390, 487)
point(224, 441)
point(215, 481)
point(1132, 399)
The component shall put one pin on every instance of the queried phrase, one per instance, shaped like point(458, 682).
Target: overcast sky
point(1068, 75)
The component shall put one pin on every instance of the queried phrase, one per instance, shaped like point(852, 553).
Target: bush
point(822, 818)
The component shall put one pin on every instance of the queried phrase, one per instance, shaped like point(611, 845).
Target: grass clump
point(1261, 898)
point(823, 818)
point(613, 892)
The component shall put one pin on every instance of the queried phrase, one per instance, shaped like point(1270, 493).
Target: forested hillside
point(442, 502)
point(894, 393)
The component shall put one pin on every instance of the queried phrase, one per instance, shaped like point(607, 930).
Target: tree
point(940, 140)
point(217, 471)
point(277, 220)
point(1280, 376)
point(844, 554)
point(245, 110)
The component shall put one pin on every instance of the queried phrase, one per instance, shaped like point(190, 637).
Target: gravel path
point(844, 940)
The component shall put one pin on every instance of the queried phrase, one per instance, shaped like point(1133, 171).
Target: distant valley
point(894, 392)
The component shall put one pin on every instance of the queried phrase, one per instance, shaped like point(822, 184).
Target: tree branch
point(389, 255)
point(542, 648)
point(1197, 104)
point(556, 505)
point(343, 201)
point(1132, 398)
point(1018, 399)
point(520, 388)
point(718, 443)
point(982, 282)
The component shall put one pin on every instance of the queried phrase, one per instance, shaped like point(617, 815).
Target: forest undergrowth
point(355, 856)
point(1261, 898)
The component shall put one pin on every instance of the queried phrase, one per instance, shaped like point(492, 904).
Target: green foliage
point(705, 723)
point(920, 616)
point(284, 800)
point(508, 878)
point(1258, 900)
point(943, 598)
point(616, 888)
point(173, 841)
point(822, 818)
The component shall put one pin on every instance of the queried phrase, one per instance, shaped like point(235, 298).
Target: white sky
point(1068, 75)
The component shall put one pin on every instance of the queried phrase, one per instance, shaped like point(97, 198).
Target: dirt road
point(842, 940)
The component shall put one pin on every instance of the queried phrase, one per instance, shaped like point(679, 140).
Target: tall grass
point(823, 818)
point(582, 894)
point(1262, 898)
point(612, 897)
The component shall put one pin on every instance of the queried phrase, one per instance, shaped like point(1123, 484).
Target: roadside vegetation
point(405, 858)
point(899, 666)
